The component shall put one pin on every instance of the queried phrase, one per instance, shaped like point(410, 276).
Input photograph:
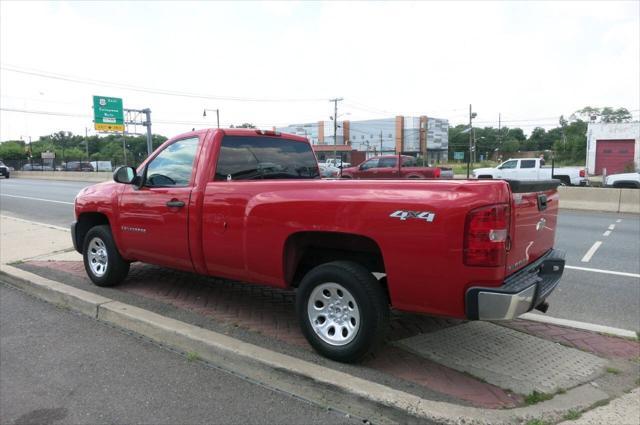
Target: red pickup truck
point(249, 205)
point(386, 167)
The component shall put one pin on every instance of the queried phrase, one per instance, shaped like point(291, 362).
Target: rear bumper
point(520, 293)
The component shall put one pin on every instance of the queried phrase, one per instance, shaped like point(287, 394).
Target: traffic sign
point(458, 155)
point(108, 113)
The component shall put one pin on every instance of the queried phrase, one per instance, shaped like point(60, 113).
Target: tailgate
point(534, 215)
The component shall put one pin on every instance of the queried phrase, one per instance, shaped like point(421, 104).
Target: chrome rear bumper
point(520, 293)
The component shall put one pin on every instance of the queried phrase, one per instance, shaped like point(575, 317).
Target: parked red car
point(249, 205)
point(386, 167)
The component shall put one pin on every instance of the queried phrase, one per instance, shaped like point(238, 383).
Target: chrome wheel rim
point(333, 314)
point(97, 256)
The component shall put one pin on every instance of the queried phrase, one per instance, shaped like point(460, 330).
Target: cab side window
point(372, 163)
point(528, 163)
point(509, 164)
point(174, 165)
point(387, 163)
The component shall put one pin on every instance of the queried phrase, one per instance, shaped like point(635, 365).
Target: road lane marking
point(586, 269)
point(618, 220)
point(607, 233)
point(592, 250)
point(53, 226)
point(36, 199)
point(579, 325)
point(612, 226)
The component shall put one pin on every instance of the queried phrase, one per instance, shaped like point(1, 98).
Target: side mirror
point(361, 167)
point(124, 175)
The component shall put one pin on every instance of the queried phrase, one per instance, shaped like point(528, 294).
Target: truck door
point(365, 170)
point(508, 170)
point(387, 168)
point(153, 219)
point(528, 170)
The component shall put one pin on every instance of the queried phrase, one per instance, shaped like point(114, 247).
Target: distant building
point(612, 146)
point(407, 135)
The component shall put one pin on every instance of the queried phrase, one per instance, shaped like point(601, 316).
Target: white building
point(612, 146)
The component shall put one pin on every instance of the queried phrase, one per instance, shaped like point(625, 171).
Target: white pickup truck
point(531, 169)
point(335, 162)
point(623, 180)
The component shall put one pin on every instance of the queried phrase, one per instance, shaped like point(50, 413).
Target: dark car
point(37, 167)
point(77, 166)
point(4, 170)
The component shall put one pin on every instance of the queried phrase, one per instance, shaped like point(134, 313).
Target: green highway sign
point(108, 114)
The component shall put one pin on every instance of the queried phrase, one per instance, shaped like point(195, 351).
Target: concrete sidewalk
point(394, 380)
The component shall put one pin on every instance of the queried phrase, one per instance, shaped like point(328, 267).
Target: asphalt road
point(60, 368)
point(583, 295)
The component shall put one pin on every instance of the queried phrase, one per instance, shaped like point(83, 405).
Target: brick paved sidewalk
point(271, 312)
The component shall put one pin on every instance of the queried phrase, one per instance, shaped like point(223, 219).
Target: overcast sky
point(531, 61)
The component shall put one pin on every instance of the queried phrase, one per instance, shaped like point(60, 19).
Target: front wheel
point(343, 310)
point(102, 261)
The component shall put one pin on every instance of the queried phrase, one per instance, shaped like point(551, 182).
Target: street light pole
point(204, 114)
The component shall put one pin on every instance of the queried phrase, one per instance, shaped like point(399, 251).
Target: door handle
point(174, 203)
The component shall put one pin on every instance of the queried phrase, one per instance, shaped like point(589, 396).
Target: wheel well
point(566, 180)
point(306, 250)
point(623, 184)
point(85, 222)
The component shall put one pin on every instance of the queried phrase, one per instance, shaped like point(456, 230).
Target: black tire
point(371, 302)
point(7, 176)
point(115, 268)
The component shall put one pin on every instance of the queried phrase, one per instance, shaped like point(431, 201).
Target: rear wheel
point(102, 261)
point(343, 310)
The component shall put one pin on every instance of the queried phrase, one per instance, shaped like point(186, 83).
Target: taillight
point(582, 173)
point(436, 173)
point(485, 237)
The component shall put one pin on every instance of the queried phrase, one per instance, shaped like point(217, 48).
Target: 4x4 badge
point(428, 216)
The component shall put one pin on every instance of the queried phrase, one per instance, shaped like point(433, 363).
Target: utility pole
point(86, 142)
point(124, 147)
point(335, 123)
point(147, 123)
point(500, 131)
point(380, 142)
point(472, 115)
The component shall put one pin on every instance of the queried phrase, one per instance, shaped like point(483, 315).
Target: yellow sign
point(109, 127)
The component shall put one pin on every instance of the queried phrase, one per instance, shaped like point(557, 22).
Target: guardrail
point(82, 176)
point(600, 199)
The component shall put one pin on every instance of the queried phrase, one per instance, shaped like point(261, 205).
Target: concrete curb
point(54, 292)
point(320, 384)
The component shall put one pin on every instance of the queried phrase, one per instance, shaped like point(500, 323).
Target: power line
point(86, 116)
point(125, 86)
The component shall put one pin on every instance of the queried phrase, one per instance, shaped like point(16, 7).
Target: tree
point(606, 114)
point(12, 150)
point(511, 145)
